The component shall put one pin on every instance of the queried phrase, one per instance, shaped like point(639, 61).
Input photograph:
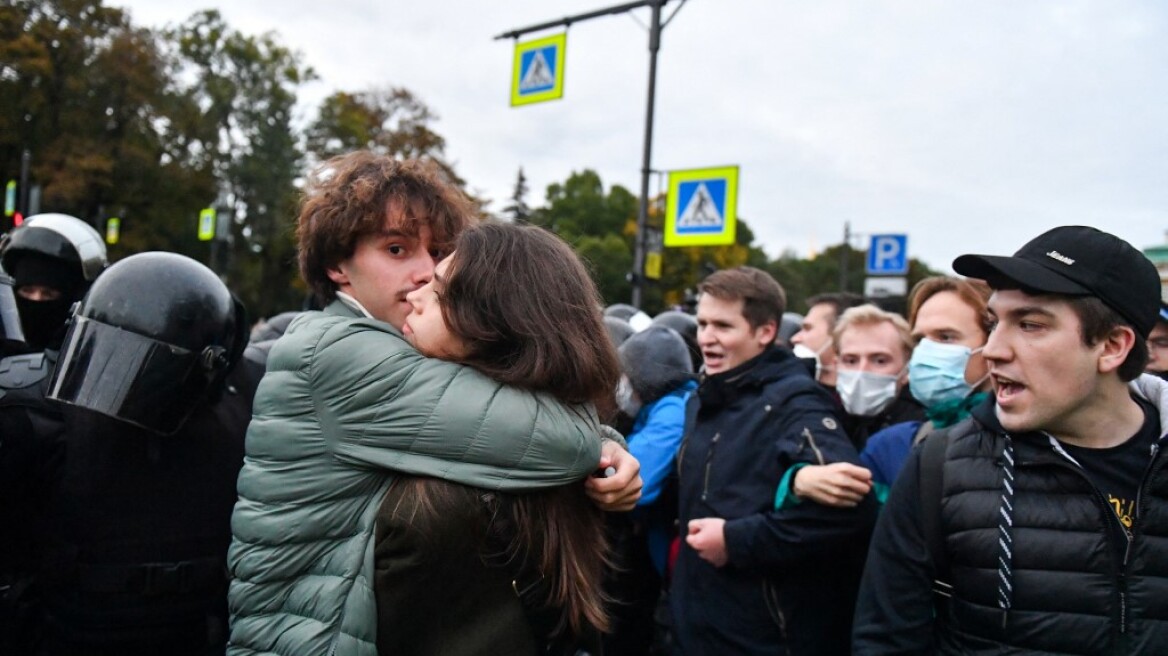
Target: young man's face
point(387, 266)
point(725, 336)
point(946, 319)
point(875, 348)
point(815, 333)
point(1044, 376)
point(1158, 348)
point(425, 327)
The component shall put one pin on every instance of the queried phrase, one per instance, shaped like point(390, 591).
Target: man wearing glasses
point(1158, 345)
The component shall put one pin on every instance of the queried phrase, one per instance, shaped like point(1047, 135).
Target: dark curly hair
point(350, 197)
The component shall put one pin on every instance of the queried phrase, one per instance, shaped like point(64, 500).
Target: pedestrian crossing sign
point(701, 207)
point(538, 73)
point(207, 224)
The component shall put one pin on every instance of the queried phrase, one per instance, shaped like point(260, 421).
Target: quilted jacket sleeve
point(383, 405)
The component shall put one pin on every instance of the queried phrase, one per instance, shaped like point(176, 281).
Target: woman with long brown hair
point(460, 570)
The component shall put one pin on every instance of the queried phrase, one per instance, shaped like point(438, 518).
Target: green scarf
point(950, 412)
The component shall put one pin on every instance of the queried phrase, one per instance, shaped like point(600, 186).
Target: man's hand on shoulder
point(620, 490)
point(707, 536)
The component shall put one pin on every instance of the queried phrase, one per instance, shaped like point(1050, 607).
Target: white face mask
point(626, 398)
point(804, 352)
point(866, 394)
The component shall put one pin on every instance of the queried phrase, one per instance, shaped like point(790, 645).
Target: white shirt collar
point(353, 304)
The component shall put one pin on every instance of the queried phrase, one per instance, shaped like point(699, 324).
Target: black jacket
point(792, 574)
point(446, 584)
point(1075, 588)
point(136, 528)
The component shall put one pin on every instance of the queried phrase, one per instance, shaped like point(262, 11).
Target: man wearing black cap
point(1039, 523)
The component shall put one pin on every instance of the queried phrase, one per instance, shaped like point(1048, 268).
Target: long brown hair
point(525, 305)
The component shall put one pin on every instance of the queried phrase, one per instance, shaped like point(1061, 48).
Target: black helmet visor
point(126, 376)
point(10, 331)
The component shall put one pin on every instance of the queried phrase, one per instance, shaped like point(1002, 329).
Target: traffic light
point(17, 219)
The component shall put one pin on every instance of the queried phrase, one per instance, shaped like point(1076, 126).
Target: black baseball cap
point(1077, 261)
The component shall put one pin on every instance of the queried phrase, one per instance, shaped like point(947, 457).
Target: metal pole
point(843, 285)
point(646, 157)
point(22, 203)
point(568, 20)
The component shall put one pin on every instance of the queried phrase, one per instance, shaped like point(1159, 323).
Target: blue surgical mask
point(936, 372)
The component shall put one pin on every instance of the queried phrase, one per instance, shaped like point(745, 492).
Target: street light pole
point(646, 156)
point(25, 162)
point(638, 274)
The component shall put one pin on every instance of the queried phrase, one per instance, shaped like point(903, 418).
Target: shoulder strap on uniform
point(20, 371)
point(931, 474)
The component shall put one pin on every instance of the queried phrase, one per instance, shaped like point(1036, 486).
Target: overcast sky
point(971, 127)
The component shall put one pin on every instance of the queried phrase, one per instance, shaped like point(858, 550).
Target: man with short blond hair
point(873, 347)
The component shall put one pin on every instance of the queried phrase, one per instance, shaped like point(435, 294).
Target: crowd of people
point(464, 452)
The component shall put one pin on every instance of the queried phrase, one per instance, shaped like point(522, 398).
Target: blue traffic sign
point(700, 208)
point(888, 255)
point(538, 71)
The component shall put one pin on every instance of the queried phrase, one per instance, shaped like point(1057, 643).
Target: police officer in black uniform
point(23, 415)
point(52, 259)
point(135, 527)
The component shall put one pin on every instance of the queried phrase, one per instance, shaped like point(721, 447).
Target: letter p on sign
point(888, 255)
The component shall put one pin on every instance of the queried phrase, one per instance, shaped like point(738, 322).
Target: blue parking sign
point(888, 255)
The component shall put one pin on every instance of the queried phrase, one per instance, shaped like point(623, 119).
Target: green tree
point(390, 121)
point(88, 95)
point(803, 278)
point(579, 206)
point(596, 224)
point(684, 267)
point(609, 260)
point(245, 87)
point(518, 210)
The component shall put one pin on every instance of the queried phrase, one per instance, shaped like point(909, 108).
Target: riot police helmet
point(621, 311)
point(153, 339)
point(618, 330)
point(59, 236)
point(53, 259)
point(656, 361)
point(789, 324)
point(685, 325)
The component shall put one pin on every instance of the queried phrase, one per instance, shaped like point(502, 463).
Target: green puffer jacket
point(344, 400)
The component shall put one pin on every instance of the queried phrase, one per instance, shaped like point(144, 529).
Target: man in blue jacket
point(751, 579)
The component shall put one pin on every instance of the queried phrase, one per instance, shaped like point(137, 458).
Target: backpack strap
point(931, 474)
point(923, 431)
